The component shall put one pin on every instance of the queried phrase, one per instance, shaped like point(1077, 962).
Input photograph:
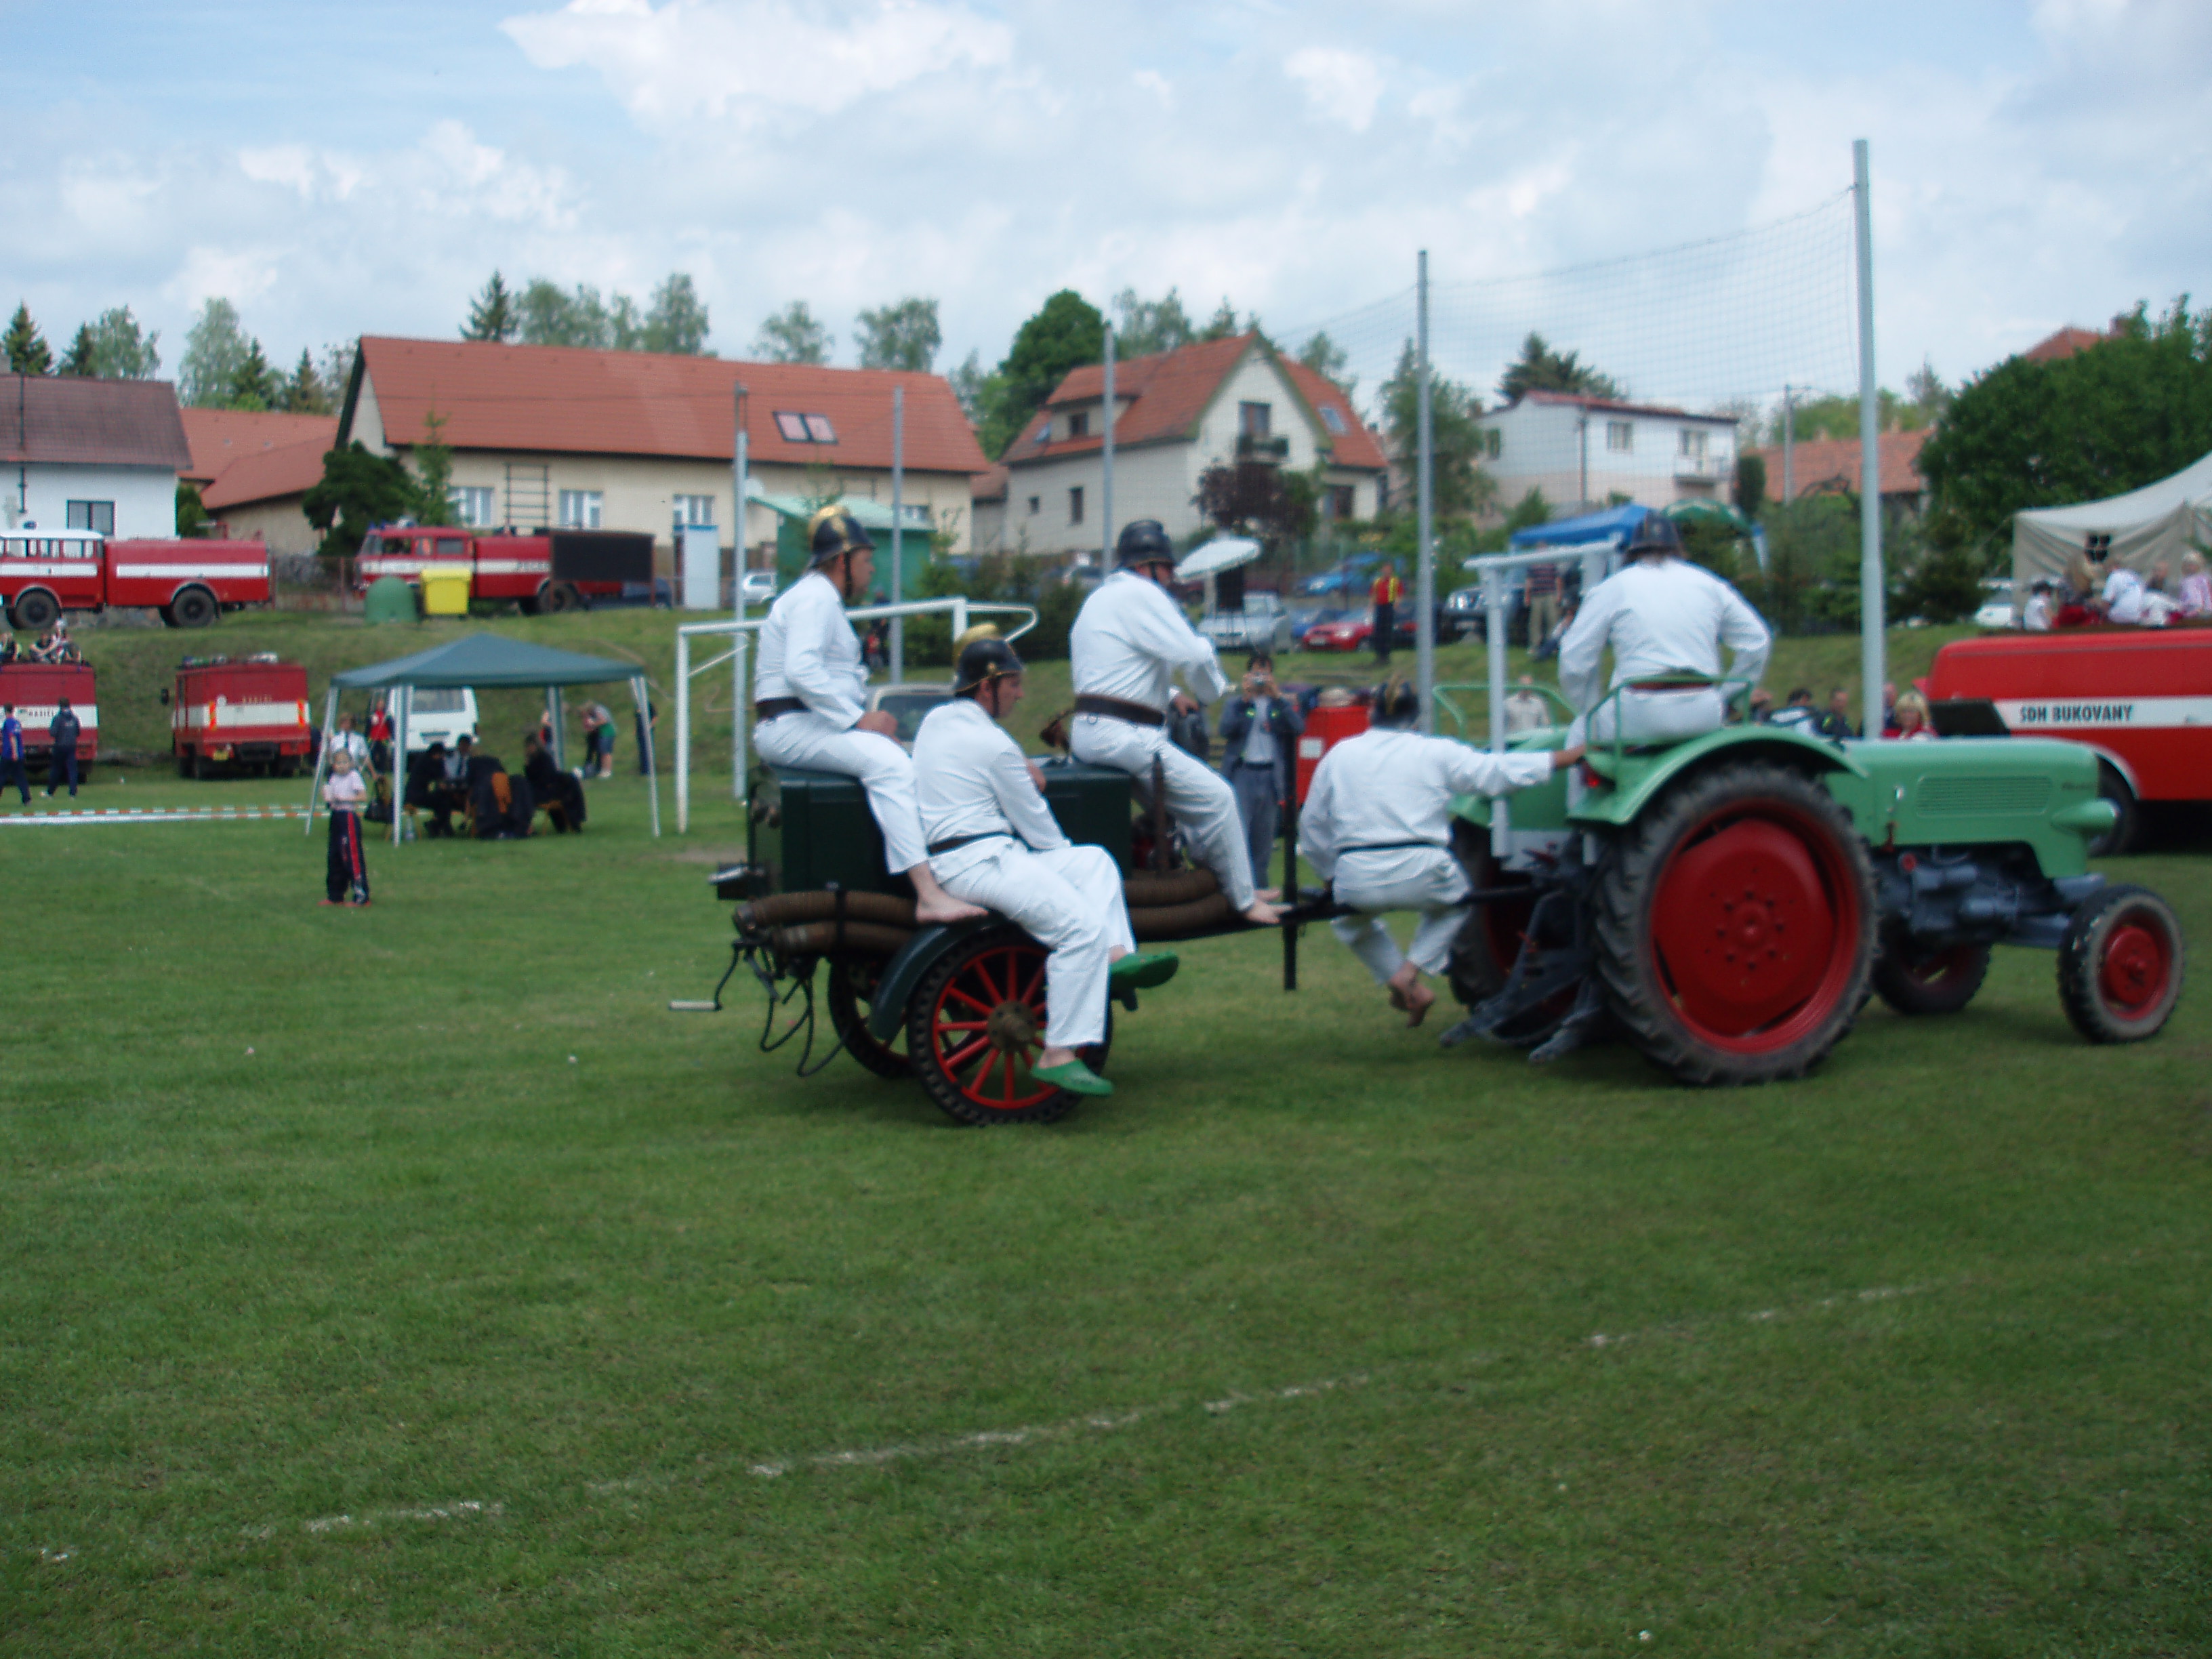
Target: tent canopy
point(1222, 553)
point(2147, 527)
point(1615, 524)
point(481, 659)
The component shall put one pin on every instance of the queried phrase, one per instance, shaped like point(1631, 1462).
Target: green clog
point(1140, 970)
point(1074, 1076)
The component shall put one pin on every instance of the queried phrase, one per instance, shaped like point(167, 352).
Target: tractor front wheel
point(852, 983)
point(976, 1027)
point(1924, 980)
point(2120, 965)
point(1735, 926)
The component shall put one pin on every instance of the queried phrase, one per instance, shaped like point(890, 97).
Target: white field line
point(467, 1510)
point(154, 815)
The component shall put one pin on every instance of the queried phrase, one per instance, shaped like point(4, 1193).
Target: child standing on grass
point(343, 792)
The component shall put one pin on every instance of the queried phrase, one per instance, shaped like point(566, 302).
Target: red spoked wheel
point(975, 1028)
point(2121, 965)
point(1919, 979)
point(1736, 925)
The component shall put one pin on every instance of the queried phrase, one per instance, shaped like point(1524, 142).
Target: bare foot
point(1417, 1000)
point(1397, 997)
point(1269, 895)
point(944, 908)
point(1264, 914)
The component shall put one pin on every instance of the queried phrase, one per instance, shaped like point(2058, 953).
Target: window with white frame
point(1620, 437)
point(694, 509)
point(1255, 420)
point(1694, 439)
point(579, 510)
point(1494, 442)
point(1075, 505)
point(472, 505)
point(92, 515)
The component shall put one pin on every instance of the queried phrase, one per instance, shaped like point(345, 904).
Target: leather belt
point(769, 708)
point(948, 844)
point(1114, 708)
point(1392, 846)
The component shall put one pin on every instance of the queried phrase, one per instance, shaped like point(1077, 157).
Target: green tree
point(1540, 368)
point(1328, 359)
point(1142, 326)
point(902, 336)
point(1750, 491)
point(27, 351)
point(1462, 485)
point(675, 319)
point(304, 393)
point(1531, 510)
point(1066, 332)
point(1223, 324)
point(974, 387)
point(77, 359)
point(1838, 416)
point(191, 515)
point(357, 490)
point(111, 347)
point(433, 473)
point(335, 368)
point(253, 383)
point(492, 313)
point(548, 314)
point(214, 348)
point(794, 335)
point(2128, 411)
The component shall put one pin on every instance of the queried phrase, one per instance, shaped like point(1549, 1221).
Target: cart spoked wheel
point(1735, 926)
point(1490, 941)
point(975, 1028)
point(1923, 980)
point(2121, 965)
point(851, 984)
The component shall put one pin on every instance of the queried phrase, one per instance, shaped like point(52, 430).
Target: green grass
point(411, 1281)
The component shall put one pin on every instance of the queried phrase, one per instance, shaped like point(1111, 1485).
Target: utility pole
point(898, 530)
point(737, 477)
point(1106, 489)
point(1788, 443)
point(1582, 442)
point(1424, 587)
point(1872, 639)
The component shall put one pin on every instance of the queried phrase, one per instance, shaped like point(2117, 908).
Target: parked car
point(910, 704)
point(1996, 606)
point(1306, 621)
point(1262, 625)
point(758, 586)
point(439, 714)
point(1349, 632)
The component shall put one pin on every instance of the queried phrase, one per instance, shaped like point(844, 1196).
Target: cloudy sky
point(337, 169)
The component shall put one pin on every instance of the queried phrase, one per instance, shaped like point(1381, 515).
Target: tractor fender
point(1636, 778)
point(887, 1012)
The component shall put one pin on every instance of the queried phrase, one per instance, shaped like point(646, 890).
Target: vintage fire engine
point(546, 570)
point(246, 713)
point(44, 572)
point(36, 690)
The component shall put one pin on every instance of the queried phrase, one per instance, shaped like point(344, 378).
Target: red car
point(1346, 634)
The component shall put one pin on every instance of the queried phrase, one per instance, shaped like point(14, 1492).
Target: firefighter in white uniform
point(810, 698)
point(992, 841)
point(1376, 825)
point(1128, 642)
point(1661, 615)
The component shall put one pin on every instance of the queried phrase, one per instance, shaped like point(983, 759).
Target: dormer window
point(1078, 425)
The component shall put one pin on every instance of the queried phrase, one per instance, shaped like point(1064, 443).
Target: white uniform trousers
point(885, 771)
point(1070, 901)
point(1199, 798)
point(1428, 880)
point(1654, 716)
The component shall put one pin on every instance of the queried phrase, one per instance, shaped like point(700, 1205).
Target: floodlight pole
point(738, 476)
point(1872, 638)
point(1106, 486)
point(1425, 580)
point(898, 531)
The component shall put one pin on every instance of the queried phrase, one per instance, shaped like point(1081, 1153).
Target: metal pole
point(322, 758)
point(1788, 445)
point(1582, 480)
point(898, 531)
point(1106, 489)
point(1424, 626)
point(1872, 638)
point(739, 478)
point(643, 697)
point(1497, 596)
point(405, 700)
point(683, 731)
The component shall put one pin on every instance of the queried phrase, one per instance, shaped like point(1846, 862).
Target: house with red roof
point(254, 466)
point(1827, 466)
point(564, 437)
point(89, 454)
point(1582, 452)
point(1176, 414)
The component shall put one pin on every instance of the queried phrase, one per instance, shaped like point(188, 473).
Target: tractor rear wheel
point(852, 983)
point(2121, 965)
point(1923, 980)
point(1735, 926)
point(976, 1027)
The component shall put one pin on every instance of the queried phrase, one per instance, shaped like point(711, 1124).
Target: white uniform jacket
point(808, 651)
point(973, 781)
point(1384, 787)
point(1672, 614)
point(1130, 638)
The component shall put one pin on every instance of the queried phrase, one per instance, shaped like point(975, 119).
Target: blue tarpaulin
point(1615, 524)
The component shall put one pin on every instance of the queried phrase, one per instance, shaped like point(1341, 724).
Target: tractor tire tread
point(2078, 970)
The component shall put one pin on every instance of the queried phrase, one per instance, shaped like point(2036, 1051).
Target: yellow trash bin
point(444, 593)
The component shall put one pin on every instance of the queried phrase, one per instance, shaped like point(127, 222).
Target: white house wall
point(145, 497)
point(1540, 447)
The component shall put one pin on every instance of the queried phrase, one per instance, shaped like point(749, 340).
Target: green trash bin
point(391, 600)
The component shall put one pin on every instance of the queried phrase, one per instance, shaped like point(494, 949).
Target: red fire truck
point(545, 570)
point(2140, 698)
point(36, 690)
point(250, 713)
point(44, 572)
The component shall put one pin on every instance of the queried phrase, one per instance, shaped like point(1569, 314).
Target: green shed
point(793, 513)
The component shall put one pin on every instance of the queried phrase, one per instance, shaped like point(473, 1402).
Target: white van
point(440, 714)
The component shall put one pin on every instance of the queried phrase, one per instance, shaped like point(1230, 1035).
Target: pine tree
point(492, 313)
point(81, 358)
point(253, 383)
point(27, 351)
point(305, 393)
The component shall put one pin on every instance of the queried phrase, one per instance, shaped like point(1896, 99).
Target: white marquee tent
point(2146, 527)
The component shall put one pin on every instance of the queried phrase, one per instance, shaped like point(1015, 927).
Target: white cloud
point(239, 275)
point(730, 57)
point(1154, 81)
point(1339, 86)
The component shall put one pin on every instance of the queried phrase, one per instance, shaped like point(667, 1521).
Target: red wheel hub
point(988, 1029)
point(2138, 960)
point(1755, 924)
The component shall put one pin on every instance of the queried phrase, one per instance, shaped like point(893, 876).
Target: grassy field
point(409, 1280)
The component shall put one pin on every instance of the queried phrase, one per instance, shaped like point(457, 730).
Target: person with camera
point(1259, 731)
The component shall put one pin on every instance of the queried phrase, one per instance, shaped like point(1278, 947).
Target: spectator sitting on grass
point(8, 649)
point(1800, 712)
